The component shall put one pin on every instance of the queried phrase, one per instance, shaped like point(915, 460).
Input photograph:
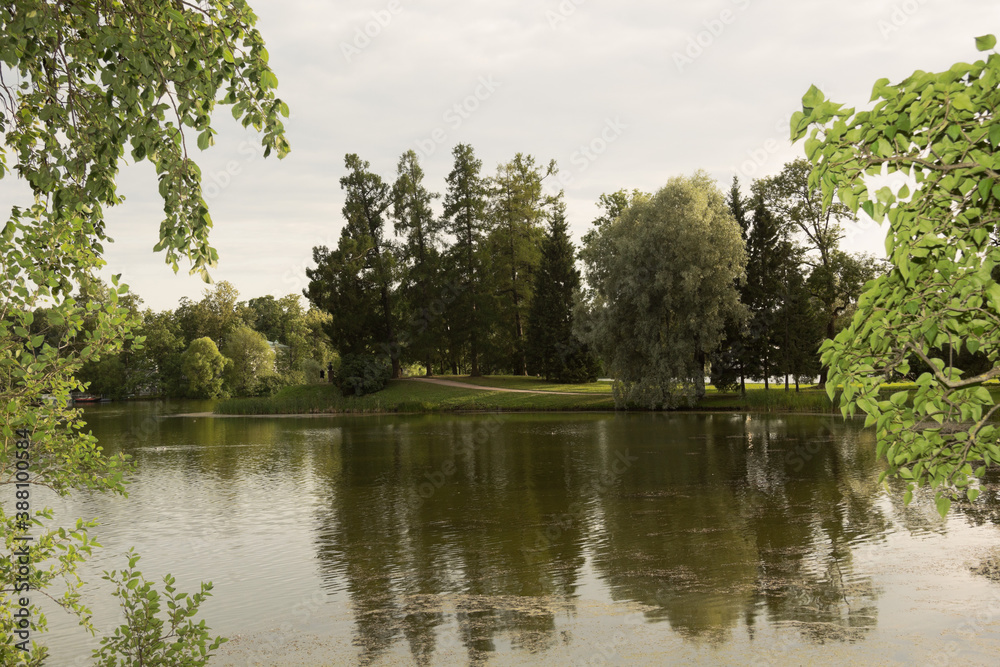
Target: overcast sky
point(621, 94)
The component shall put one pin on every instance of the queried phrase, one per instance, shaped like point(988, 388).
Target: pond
point(539, 539)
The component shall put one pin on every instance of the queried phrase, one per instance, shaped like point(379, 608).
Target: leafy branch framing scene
point(479, 404)
point(940, 132)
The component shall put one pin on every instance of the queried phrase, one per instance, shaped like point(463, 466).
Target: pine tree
point(798, 325)
point(421, 280)
point(552, 349)
point(730, 363)
point(765, 262)
point(737, 205)
point(516, 232)
point(465, 219)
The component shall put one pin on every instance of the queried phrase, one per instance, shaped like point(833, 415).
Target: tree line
point(679, 284)
point(218, 346)
point(486, 287)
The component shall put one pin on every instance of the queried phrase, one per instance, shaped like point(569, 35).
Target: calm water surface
point(539, 539)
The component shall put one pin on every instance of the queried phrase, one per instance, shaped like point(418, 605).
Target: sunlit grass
point(406, 396)
point(410, 395)
point(532, 383)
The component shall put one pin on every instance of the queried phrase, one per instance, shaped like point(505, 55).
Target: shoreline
point(709, 411)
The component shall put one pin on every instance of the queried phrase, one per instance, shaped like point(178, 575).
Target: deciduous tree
point(939, 130)
point(250, 360)
point(82, 83)
point(662, 276)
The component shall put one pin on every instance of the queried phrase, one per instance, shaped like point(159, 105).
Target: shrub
point(144, 638)
point(361, 374)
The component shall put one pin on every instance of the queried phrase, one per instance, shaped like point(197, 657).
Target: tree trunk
point(474, 352)
point(699, 380)
point(522, 360)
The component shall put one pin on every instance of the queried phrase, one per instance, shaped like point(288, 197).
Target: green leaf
point(813, 98)
point(986, 42)
point(943, 504)
point(962, 101)
point(205, 139)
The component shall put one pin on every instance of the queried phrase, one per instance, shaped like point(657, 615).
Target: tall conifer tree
point(416, 224)
point(553, 350)
point(465, 219)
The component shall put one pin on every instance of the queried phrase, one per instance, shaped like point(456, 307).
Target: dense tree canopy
point(662, 276)
point(465, 219)
point(203, 366)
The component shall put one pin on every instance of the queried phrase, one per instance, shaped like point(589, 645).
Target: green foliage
point(516, 216)
point(767, 256)
point(422, 281)
point(83, 82)
point(215, 316)
point(361, 374)
point(553, 350)
point(939, 131)
point(797, 202)
point(250, 362)
point(144, 638)
point(357, 283)
point(204, 366)
point(663, 275)
point(465, 219)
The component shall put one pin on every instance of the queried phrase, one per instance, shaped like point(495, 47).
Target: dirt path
point(466, 385)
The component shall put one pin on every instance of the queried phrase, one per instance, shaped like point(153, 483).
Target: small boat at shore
point(86, 398)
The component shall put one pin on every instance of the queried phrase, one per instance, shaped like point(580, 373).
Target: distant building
point(279, 350)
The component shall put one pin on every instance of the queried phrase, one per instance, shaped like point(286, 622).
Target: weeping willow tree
point(80, 84)
point(662, 274)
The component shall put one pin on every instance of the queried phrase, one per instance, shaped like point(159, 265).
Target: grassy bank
point(407, 396)
point(414, 396)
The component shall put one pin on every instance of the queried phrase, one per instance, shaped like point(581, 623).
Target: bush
point(310, 369)
point(144, 638)
point(268, 385)
point(361, 374)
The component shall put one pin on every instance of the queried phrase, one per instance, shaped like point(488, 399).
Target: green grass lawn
point(409, 395)
point(532, 383)
point(406, 396)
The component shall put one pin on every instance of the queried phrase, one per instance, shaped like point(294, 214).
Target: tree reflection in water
point(722, 522)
